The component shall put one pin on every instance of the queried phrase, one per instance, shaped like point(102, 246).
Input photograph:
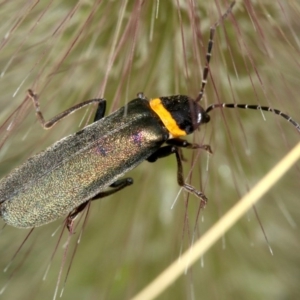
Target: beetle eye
point(201, 116)
point(205, 118)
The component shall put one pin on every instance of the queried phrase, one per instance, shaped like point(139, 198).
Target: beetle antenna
point(209, 50)
point(258, 107)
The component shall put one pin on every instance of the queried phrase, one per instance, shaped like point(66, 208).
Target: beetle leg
point(141, 96)
point(160, 153)
point(100, 110)
point(73, 214)
point(185, 144)
point(48, 124)
point(186, 186)
point(178, 143)
point(117, 186)
point(167, 150)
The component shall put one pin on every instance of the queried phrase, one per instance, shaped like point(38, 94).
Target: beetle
point(78, 168)
point(89, 164)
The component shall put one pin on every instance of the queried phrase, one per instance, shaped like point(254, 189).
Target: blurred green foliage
point(72, 51)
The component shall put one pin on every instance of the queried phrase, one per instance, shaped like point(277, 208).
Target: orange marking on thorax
point(166, 118)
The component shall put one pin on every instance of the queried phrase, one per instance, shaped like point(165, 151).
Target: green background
point(70, 52)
